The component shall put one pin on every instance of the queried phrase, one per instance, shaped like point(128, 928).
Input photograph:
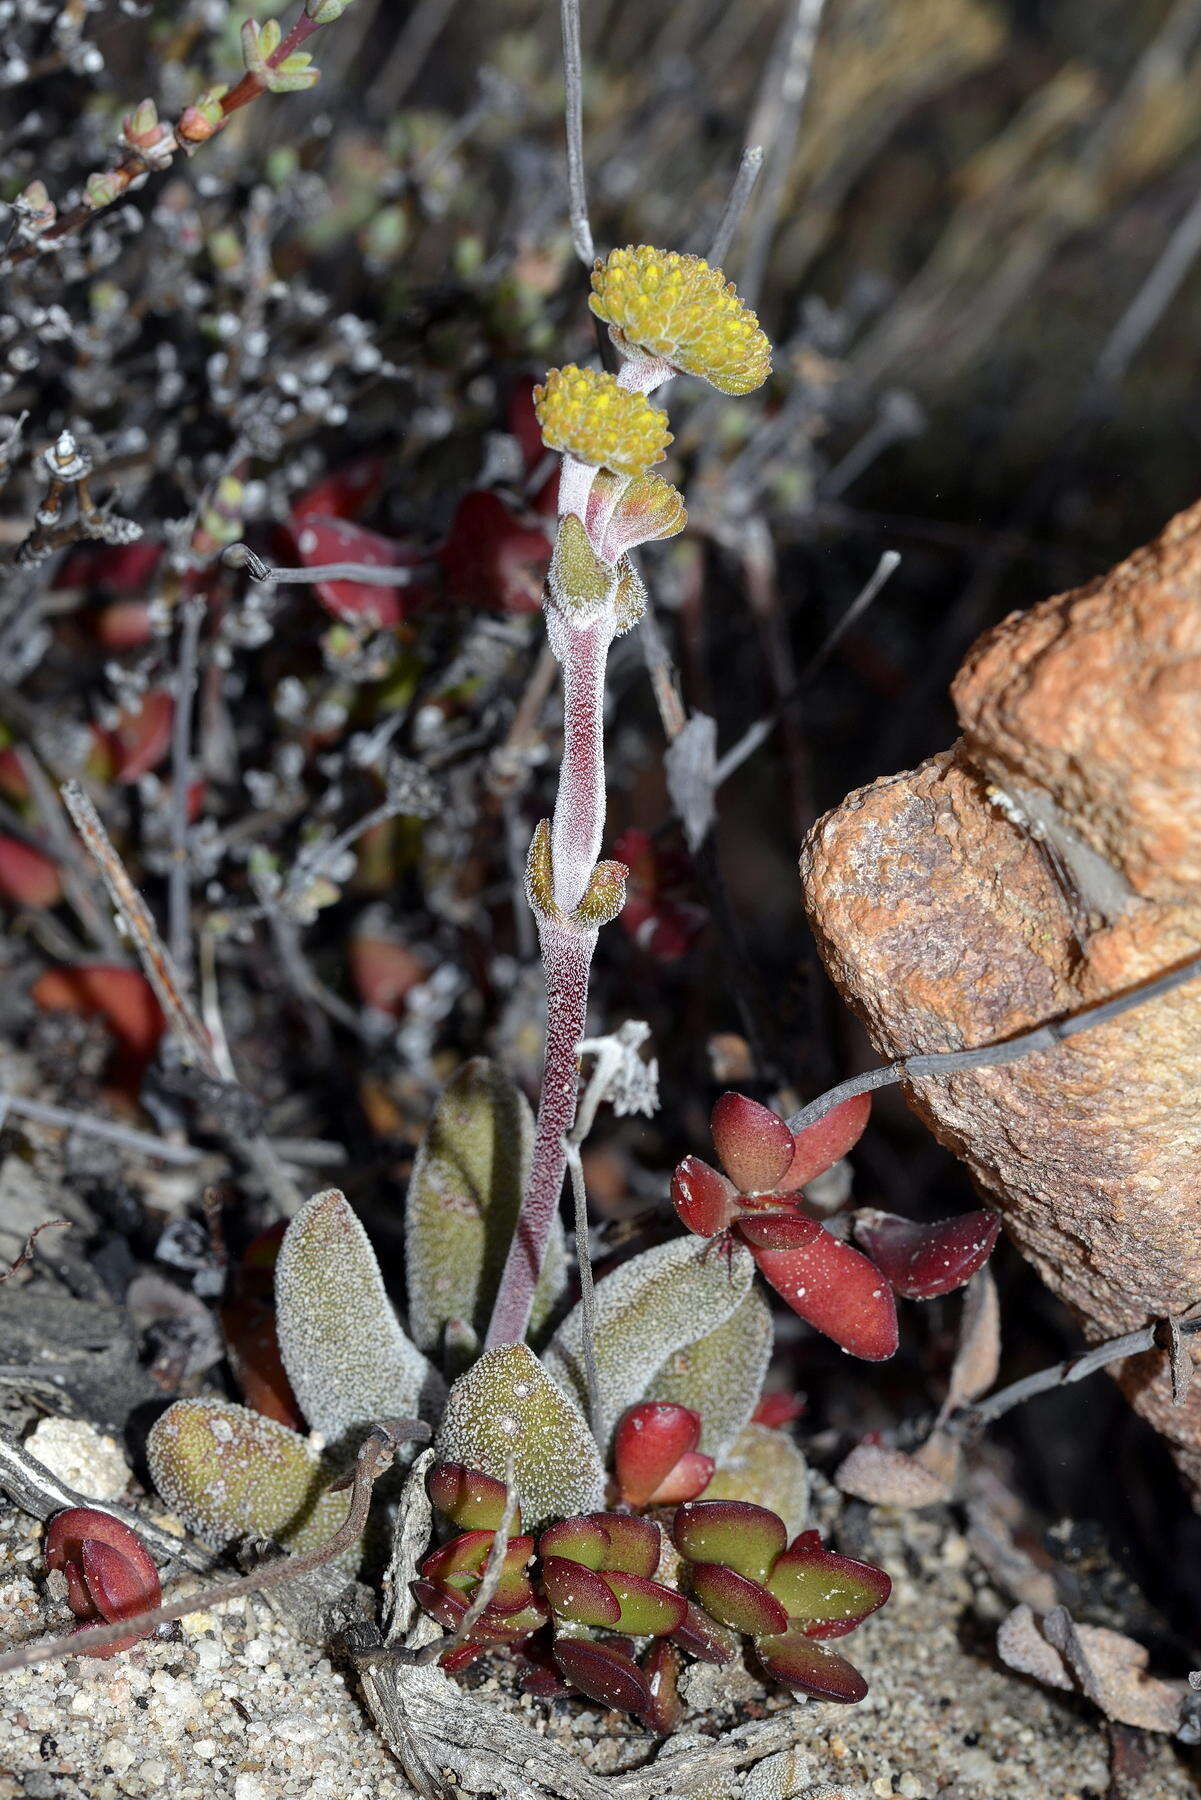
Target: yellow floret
point(677, 307)
point(587, 415)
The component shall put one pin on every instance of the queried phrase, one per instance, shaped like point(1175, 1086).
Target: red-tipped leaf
point(604, 1673)
point(649, 1441)
point(796, 1662)
point(743, 1605)
point(578, 1593)
point(468, 1498)
point(705, 1200)
point(690, 1477)
point(753, 1144)
point(648, 1609)
point(816, 1149)
point(823, 1592)
point(923, 1261)
point(736, 1533)
point(661, 1666)
point(838, 1291)
point(634, 1544)
point(583, 1539)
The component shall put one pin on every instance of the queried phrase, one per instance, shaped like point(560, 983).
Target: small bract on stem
point(665, 313)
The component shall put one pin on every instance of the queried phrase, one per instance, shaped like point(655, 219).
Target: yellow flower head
point(677, 307)
point(587, 415)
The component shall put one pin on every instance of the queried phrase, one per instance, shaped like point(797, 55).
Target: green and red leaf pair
point(788, 1597)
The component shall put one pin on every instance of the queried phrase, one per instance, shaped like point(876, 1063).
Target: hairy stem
point(579, 819)
point(567, 956)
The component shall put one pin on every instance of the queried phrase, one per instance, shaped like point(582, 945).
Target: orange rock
point(1048, 860)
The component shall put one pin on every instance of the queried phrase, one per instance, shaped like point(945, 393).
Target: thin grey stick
point(179, 898)
point(241, 556)
point(975, 1413)
point(183, 1155)
point(78, 878)
point(755, 734)
point(776, 122)
point(579, 1194)
point(1153, 298)
point(157, 962)
point(744, 183)
point(573, 77)
point(991, 1056)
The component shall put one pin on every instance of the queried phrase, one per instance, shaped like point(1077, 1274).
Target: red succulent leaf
point(14, 783)
point(123, 998)
point(634, 1545)
point(705, 1201)
point(735, 1533)
point(139, 740)
point(110, 1574)
point(753, 1144)
point(323, 540)
point(838, 1291)
point(345, 494)
point(443, 1604)
point(496, 1627)
point(27, 876)
point(583, 1539)
point(467, 1497)
point(122, 568)
point(703, 1638)
point(661, 921)
point(460, 1657)
point(491, 559)
point(252, 1345)
point(777, 1409)
point(690, 1477)
point(648, 1609)
point(820, 1146)
point(923, 1261)
point(459, 1563)
point(661, 1666)
point(604, 1673)
point(384, 971)
point(776, 1230)
point(125, 625)
point(807, 1668)
point(825, 1593)
point(578, 1593)
point(649, 1441)
point(743, 1605)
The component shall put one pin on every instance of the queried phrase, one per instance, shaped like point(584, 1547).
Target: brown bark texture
point(1049, 859)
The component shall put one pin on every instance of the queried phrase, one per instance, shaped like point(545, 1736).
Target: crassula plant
point(644, 1393)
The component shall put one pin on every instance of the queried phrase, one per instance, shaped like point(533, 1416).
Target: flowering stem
point(579, 819)
point(566, 957)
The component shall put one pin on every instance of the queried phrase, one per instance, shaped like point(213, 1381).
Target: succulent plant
point(614, 1575)
point(109, 1572)
point(757, 1203)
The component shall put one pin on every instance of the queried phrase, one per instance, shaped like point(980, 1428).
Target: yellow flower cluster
point(677, 307)
point(587, 415)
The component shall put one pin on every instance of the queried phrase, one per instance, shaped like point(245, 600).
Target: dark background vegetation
point(977, 194)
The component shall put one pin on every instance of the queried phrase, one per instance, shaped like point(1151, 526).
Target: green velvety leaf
point(647, 1310)
point(766, 1467)
point(464, 1195)
point(231, 1473)
point(347, 1358)
point(506, 1409)
point(720, 1376)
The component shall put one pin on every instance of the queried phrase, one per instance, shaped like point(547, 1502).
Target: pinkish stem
point(566, 956)
point(579, 820)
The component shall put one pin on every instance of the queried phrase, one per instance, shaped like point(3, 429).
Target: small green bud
point(102, 190)
point(325, 12)
point(293, 74)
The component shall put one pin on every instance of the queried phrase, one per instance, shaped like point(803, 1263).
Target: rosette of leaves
point(789, 1598)
point(572, 1601)
point(757, 1203)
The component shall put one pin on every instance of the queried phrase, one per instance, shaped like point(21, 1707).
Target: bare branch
point(581, 230)
point(141, 1142)
point(179, 925)
point(744, 184)
point(776, 122)
point(241, 556)
point(990, 1056)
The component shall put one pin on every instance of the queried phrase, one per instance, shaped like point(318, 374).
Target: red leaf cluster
point(110, 1573)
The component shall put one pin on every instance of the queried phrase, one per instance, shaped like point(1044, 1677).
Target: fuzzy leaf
point(735, 1601)
point(347, 1358)
point(766, 1467)
point(464, 1194)
point(506, 1407)
point(230, 1473)
point(648, 1309)
point(808, 1668)
point(721, 1375)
